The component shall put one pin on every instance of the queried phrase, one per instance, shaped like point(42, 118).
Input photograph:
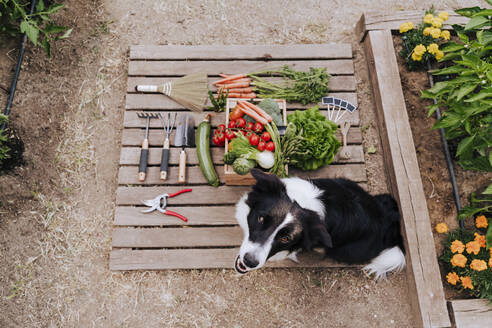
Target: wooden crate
point(231, 177)
point(211, 237)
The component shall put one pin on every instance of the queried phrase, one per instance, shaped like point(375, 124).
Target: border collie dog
point(280, 217)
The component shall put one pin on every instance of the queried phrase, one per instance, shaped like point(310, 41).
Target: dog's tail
point(392, 258)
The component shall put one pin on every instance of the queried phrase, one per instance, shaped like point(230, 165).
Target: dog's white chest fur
point(305, 194)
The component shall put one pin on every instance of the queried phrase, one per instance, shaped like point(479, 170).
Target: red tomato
point(244, 132)
point(270, 146)
point(254, 140)
point(240, 123)
point(266, 136)
point(249, 126)
point(221, 128)
point(258, 127)
point(261, 145)
point(219, 139)
point(232, 124)
point(229, 134)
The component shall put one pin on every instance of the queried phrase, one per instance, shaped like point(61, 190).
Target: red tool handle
point(179, 192)
point(168, 212)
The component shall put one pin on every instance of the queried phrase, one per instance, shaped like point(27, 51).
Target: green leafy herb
point(219, 104)
point(319, 144)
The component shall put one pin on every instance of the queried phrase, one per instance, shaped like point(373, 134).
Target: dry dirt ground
point(56, 210)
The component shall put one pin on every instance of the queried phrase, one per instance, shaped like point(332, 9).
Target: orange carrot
point(235, 81)
point(231, 78)
point(248, 111)
point(242, 95)
point(258, 110)
point(236, 85)
point(241, 90)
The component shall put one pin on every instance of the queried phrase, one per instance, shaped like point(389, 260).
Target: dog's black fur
point(356, 228)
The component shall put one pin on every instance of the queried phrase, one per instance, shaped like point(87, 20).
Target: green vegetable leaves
point(319, 144)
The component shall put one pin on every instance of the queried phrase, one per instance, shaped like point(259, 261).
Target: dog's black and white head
point(278, 218)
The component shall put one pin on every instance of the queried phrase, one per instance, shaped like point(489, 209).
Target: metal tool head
point(185, 131)
point(147, 115)
point(167, 125)
point(158, 203)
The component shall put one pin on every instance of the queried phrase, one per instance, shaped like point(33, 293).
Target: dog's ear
point(268, 183)
point(314, 231)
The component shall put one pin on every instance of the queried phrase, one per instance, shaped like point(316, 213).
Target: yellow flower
point(443, 15)
point(419, 50)
point(466, 282)
point(406, 27)
point(452, 278)
point(435, 33)
point(478, 265)
point(428, 18)
point(441, 227)
point(416, 57)
point(432, 48)
point(436, 22)
point(457, 246)
point(481, 240)
point(445, 35)
point(473, 247)
point(481, 222)
point(439, 54)
point(459, 260)
point(427, 31)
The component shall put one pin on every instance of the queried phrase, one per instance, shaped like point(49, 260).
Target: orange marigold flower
point(441, 227)
point(473, 247)
point(457, 246)
point(466, 282)
point(490, 262)
point(478, 265)
point(459, 260)
point(452, 278)
point(481, 222)
point(481, 240)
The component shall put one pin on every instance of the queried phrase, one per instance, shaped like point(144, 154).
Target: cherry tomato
point(270, 146)
point(232, 124)
point(266, 136)
point(240, 123)
point(229, 134)
point(258, 127)
point(249, 126)
point(219, 139)
point(221, 128)
point(249, 134)
point(254, 140)
point(261, 145)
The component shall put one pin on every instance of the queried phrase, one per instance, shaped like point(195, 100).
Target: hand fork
point(144, 152)
point(168, 127)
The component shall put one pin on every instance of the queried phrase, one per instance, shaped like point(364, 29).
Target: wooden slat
point(337, 82)
point(131, 156)
point(210, 258)
point(127, 175)
point(371, 21)
point(223, 52)
point(473, 313)
point(176, 237)
point(134, 137)
point(154, 101)
point(406, 184)
point(201, 195)
point(131, 120)
point(132, 216)
point(213, 68)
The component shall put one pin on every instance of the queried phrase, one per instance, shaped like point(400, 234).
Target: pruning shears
point(159, 203)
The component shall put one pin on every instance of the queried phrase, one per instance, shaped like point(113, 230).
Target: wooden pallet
point(211, 237)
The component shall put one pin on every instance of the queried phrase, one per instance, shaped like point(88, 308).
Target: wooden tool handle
point(182, 167)
point(144, 157)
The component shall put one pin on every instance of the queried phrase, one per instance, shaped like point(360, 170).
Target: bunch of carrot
point(237, 85)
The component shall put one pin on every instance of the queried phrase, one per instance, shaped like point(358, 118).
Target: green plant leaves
point(452, 46)
point(464, 90)
point(476, 22)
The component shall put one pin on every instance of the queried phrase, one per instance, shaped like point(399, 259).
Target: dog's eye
point(284, 239)
point(260, 219)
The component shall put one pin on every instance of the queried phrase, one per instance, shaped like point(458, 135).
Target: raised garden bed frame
point(424, 278)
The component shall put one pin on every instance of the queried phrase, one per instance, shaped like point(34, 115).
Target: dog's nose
point(250, 261)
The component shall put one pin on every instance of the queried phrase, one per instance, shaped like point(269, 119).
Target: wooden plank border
point(472, 313)
point(425, 285)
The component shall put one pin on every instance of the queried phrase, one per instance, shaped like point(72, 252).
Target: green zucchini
point(203, 152)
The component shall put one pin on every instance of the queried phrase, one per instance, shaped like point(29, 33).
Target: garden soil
point(56, 209)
